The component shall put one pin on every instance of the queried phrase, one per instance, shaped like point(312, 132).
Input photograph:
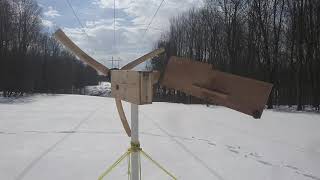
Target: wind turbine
point(195, 78)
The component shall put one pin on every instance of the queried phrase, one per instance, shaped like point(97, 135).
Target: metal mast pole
point(135, 168)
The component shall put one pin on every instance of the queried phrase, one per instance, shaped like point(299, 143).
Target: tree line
point(277, 41)
point(31, 60)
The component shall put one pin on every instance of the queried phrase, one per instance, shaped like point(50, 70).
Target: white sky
point(132, 18)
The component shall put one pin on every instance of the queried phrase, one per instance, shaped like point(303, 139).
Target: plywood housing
point(132, 86)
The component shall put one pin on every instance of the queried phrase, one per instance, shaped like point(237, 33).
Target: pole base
point(135, 147)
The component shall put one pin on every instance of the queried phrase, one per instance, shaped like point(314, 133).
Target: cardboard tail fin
point(203, 81)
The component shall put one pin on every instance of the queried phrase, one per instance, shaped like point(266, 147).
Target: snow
point(78, 137)
point(103, 89)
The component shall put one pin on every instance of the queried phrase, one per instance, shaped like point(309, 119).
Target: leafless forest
point(277, 41)
point(30, 59)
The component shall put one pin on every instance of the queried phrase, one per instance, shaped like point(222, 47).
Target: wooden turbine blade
point(63, 39)
point(203, 81)
point(142, 59)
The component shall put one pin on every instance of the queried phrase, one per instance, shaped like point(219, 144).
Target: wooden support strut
point(122, 116)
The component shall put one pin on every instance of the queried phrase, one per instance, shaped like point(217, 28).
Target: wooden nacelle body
point(132, 86)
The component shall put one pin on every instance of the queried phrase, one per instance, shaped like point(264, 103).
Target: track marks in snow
point(186, 149)
point(60, 132)
point(257, 157)
point(291, 167)
point(5, 133)
point(311, 176)
point(233, 149)
point(264, 162)
point(52, 147)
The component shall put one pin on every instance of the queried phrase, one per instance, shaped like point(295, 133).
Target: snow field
point(78, 137)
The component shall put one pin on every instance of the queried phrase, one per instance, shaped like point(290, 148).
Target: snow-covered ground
point(78, 137)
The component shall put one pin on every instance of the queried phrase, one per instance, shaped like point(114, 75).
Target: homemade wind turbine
point(195, 78)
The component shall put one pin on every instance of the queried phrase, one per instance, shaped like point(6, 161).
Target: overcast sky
point(132, 18)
